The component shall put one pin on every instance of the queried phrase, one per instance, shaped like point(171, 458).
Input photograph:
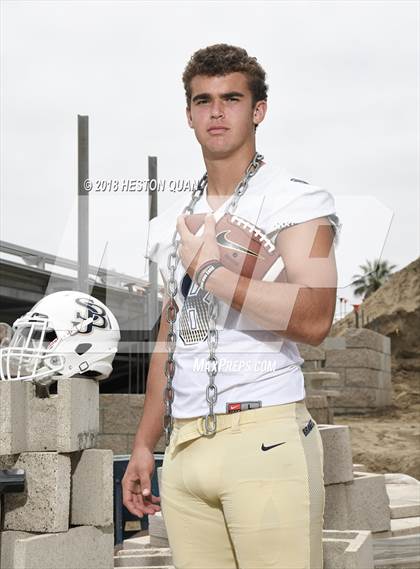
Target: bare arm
point(151, 425)
point(302, 307)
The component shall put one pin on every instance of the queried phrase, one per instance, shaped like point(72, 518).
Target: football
point(244, 248)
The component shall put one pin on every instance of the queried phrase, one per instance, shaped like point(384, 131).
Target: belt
point(191, 428)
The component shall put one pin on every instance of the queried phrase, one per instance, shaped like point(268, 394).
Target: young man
point(242, 478)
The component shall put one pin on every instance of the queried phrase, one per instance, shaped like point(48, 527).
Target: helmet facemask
point(27, 356)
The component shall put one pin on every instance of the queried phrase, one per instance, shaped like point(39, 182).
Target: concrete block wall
point(362, 504)
point(362, 358)
point(44, 505)
point(64, 517)
point(353, 500)
point(84, 547)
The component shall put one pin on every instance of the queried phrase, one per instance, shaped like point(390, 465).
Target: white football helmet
point(65, 334)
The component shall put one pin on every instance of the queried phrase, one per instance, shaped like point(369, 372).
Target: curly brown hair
point(221, 59)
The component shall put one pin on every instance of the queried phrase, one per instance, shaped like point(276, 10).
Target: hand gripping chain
point(213, 310)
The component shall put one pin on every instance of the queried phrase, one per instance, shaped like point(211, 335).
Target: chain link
point(213, 311)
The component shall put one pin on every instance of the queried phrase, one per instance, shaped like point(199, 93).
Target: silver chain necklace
point(213, 310)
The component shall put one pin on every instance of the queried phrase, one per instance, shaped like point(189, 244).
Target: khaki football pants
point(229, 504)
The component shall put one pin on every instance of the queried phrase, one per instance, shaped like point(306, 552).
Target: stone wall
point(362, 357)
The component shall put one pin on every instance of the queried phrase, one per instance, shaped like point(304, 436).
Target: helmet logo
point(94, 313)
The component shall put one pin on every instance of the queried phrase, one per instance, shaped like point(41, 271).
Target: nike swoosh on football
point(224, 242)
point(271, 446)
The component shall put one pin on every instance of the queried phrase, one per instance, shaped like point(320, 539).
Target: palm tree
point(374, 276)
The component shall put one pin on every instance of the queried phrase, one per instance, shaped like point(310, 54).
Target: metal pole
point(153, 279)
point(83, 203)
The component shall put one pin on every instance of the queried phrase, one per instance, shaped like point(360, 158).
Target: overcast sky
point(342, 114)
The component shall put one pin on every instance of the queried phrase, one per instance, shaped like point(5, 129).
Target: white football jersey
point(254, 364)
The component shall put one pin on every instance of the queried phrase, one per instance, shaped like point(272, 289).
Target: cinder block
point(141, 542)
point(121, 418)
point(355, 357)
point(44, 505)
point(338, 462)
point(320, 380)
point(335, 511)
point(342, 371)
point(159, 541)
point(311, 365)
point(136, 400)
point(386, 345)
point(366, 338)
point(352, 410)
point(347, 550)
point(117, 443)
point(41, 420)
point(7, 547)
point(359, 505)
point(65, 422)
point(369, 503)
point(356, 398)
point(333, 343)
point(383, 397)
point(92, 488)
point(404, 500)
point(78, 414)
point(324, 416)
point(365, 377)
point(85, 547)
point(157, 526)
point(12, 417)
point(160, 557)
point(405, 526)
point(311, 353)
point(320, 409)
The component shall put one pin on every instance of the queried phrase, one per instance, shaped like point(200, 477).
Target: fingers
point(137, 496)
point(139, 506)
point(147, 507)
point(209, 220)
point(210, 226)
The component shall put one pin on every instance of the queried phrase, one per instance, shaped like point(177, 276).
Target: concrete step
point(405, 526)
point(143, 566)
point(137, 542)
point(145, 551)
point(142, 560)
point(404, 500)
point(397, 552)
